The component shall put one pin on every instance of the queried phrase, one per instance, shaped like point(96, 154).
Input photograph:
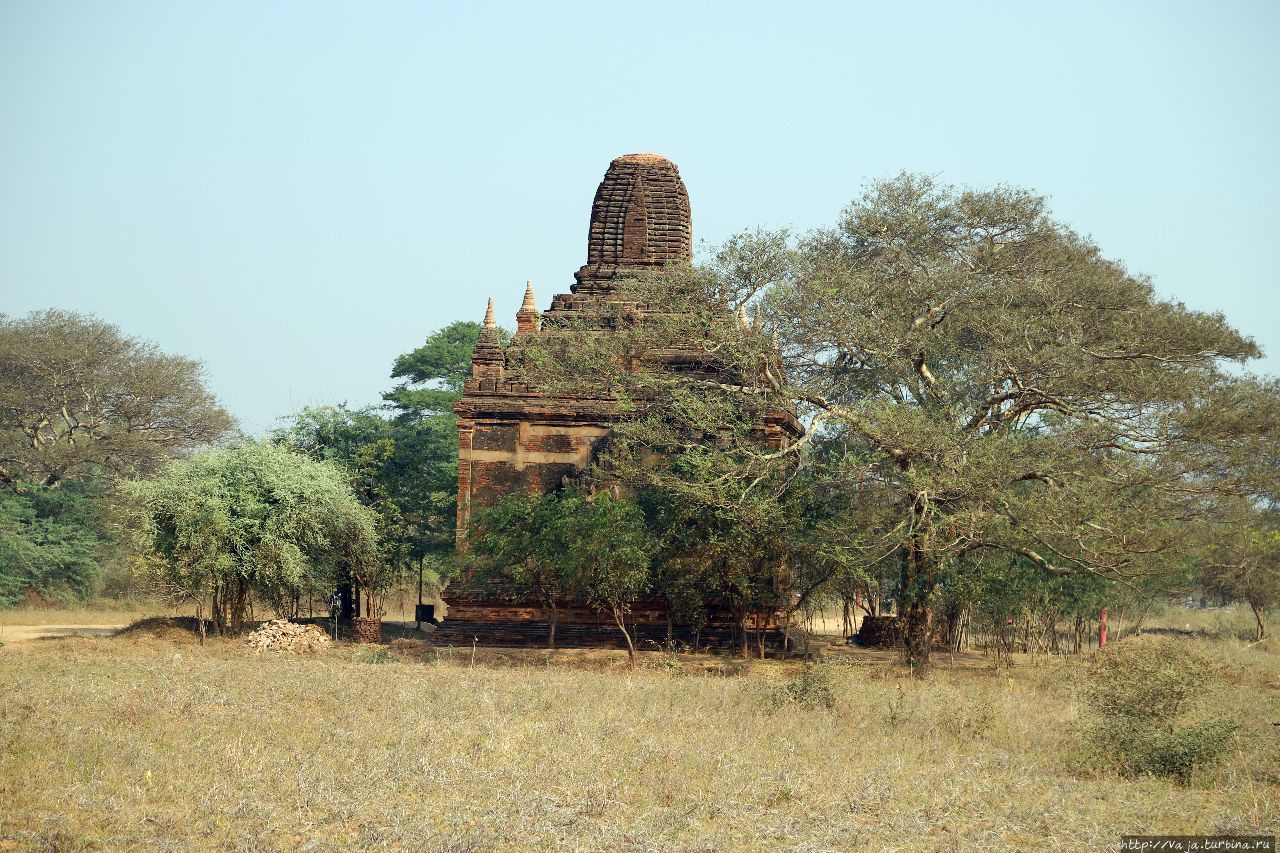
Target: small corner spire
point(530, 304)
point(742, 316)
point(489, 321)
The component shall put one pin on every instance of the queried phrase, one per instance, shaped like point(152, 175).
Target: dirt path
point(27, 633)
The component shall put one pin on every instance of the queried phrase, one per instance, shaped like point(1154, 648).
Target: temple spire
point(487, 359)
point(742, 316)
point(528, 318)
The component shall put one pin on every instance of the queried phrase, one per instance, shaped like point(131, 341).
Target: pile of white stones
point(281, 635)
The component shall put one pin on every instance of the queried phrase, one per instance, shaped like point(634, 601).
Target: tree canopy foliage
point(972, 377)
point(401, 459)
point(255, 519)
point(433, 373)
point(78, 397)
point(82, 404)
point(1242, 560)
point(51, 542)
point(568, 547)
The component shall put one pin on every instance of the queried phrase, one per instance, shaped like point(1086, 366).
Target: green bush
point(50, 541)
point(813, 687)
point(1142, 700)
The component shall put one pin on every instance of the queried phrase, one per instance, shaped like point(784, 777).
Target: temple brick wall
point(500, 457)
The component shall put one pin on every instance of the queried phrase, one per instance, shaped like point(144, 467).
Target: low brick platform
point(534, 633)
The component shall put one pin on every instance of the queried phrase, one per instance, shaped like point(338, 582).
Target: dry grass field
point(148, 740)
point(105, 614)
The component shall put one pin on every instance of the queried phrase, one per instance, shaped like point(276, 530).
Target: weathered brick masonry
point(512, 438)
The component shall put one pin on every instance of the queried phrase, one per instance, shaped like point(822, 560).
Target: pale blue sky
point(295, 193)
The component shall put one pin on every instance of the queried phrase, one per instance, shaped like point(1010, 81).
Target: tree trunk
point(1257, 615)
point(738, 630)
point(215, 613)
point(915, 588)
point(917, 625)
point(236, 616)
point(552, 615)
point(626, 635)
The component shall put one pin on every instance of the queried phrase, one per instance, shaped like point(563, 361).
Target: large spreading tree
point(973, 377)
point(78, 397)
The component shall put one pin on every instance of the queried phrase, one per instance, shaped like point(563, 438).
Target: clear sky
point(296, 192)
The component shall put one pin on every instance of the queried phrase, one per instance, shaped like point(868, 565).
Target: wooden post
point(1102, 630)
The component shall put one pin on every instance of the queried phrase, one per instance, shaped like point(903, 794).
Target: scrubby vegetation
point(1142, 700)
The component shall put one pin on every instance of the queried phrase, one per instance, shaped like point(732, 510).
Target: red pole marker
point(1102, 629)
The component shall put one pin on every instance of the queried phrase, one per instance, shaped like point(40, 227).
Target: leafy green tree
point(433, 374)
point(988, 380)
point(565, 547)
point(251, 519)
point(50, 543)
point(743, 555)
point(608, 552)
point(402, 459)
point(1242, 560)
point(1011, 389)
point(78, 397)
point(520, 546)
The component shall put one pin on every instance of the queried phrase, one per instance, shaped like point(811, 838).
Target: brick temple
point(512, 438)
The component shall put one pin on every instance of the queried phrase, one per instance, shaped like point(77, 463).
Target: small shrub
point(966, 717)
point(897, 709)
point(813, 687)
point(1140, 698)
point(375, 654)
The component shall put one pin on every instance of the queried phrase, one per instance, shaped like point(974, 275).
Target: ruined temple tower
point(512, 438)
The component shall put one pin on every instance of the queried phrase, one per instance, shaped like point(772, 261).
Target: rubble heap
point(281, 635)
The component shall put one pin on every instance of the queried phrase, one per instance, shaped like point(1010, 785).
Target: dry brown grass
point(153, 741)
point(95, 613)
